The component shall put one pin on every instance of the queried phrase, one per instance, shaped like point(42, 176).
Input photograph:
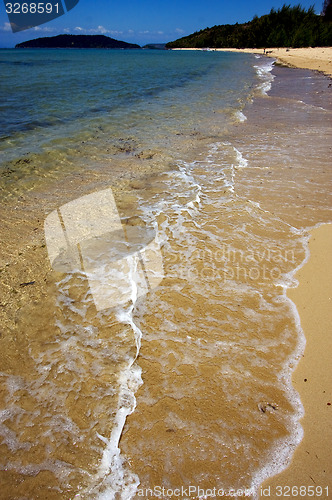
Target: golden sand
point(311, 464)
point(317, 58)
point(314, 58)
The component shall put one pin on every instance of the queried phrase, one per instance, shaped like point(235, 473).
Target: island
point(155, 46)
point(76, 42)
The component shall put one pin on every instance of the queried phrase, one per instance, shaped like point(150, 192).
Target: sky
point(145, 21)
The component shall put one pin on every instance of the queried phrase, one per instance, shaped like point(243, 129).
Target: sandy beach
point(314, 58)
point(317, 58)
point(311, 464)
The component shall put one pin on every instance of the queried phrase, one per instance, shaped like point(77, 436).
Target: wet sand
point(311, 464)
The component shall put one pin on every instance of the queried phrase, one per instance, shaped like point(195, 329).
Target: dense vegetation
point(77, 42)
point(285, 27)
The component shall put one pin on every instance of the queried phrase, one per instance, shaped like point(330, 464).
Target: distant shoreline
point(313, 58)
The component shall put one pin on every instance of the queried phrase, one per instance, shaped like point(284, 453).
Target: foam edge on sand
point(311, 464)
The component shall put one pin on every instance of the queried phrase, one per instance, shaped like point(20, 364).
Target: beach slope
point(314, 58)
point(311, 464)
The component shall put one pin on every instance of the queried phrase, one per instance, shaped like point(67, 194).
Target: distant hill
point(77, 42)
point(286, 27)
point(157, 46)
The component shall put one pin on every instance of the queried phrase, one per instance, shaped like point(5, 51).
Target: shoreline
point(313, 58)
point(311, 464)
point(316, 59)
point(29, 275)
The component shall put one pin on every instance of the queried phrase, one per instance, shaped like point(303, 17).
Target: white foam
point(240, 116)
point(264, 73)
point(241, 161)
point(112, 479)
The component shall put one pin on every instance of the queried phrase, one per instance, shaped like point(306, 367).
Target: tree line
point(285, 27)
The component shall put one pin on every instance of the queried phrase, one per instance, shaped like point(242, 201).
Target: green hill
point(77, 42)
point(286, 27)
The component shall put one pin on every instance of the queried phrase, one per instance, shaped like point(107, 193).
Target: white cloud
point(44, 29)
point(6, 27)
point(179, 30)
point(102, 30)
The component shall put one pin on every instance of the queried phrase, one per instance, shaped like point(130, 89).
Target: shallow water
point(91, 105)
point(195, 374)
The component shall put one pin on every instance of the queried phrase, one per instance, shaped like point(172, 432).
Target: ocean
point(156, 206)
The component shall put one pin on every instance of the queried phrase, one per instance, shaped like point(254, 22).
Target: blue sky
point(146, 21)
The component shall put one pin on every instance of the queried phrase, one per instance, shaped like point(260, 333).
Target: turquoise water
point(63, 95)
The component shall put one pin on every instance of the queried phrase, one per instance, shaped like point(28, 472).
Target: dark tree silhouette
point(285, 27)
